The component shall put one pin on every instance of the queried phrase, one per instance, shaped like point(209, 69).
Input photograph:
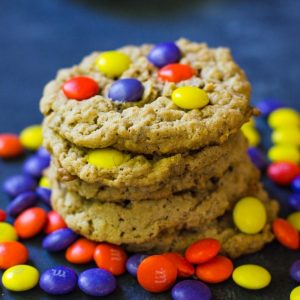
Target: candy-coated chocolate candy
point(190, 97)
point(176, 72)
point(22, 202)
point(54, 222)
point(126, 90)
point(7, 232)
point(111, 258)
point(296, 184)
point(216, 270)
point(17, 184)
point(113, 63)
point(184, 268)
point(252, 277)
point(10, 145)
point(191, 290)
point(2, 215)
point(156, 273)
point(106, 158)
point(31, 137)
point(59, 240)
point(295, 270)
point(268, 105)
point(30, 222)
point(35, 165)
point(81, 251)
point(97, 282)
point(294, 201)
point(257, 157)
point(58, 280)
point(163, 54)
point(12, 253)
point(283, 172)
point(284, 153)
point(44, 182)
point(133, 263)
point(202, 251)
point(286, 136)
point(42, 152)
point(20, 278)
point(249, 215)
point(284, 117)
point(294, 219)
point(286, 234)
point(295, 294)
point(44, 195)
point(251, 134)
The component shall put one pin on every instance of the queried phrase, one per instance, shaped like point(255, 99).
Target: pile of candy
point(200, 265)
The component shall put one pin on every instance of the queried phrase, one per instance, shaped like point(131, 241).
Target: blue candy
point(296, 184)
point(295, 270)
point(44, 195)
point(59, 240)
point(42, 152)
point(191, 290)
point(17, 184)
point(257, 157)
point(97, 282)
point(58, 280)
point(126, 90)
point(294, 201)
point(21, 202)
point(268, 105)
point(133, 263)
point(35, 165)
point(164, 54)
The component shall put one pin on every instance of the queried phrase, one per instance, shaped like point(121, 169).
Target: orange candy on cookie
point(176, 72)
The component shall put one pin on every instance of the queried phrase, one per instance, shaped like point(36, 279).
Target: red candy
point(111, 258)
point(54, 222)
point(176, 72)
point(2, 215)
point(216, 270)
point(10, 145)
point(184, 268)
point(81, 251)
point(30, 222)
point(283, 173)
point(286, 234)
point(156, 273)
point(202, 251)
point(11, 254)
point(80, 88)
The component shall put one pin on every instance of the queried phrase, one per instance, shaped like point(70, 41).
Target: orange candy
point(202, 251)
point(111, 258)
point(11, 254)
point(176, 72)
point(184, 268)
point(54, 222)
point(286, 234)
point(156, 273)
point(30, 222)
point(81, 251)
point(10, 145)
point(216, 270)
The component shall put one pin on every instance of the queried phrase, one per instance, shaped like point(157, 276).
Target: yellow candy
point(190, 97)
point(284, 117)
point(295, 294)
point(250, 123)
point(44, 182)
point(20, 278)
point(7, 232)
point(294, 219)
point(106, 158)
point(284, 153)
point(31, 137)
point(286, 135)
point(251, 134)
point(252, 277)
point(113, 63)
point(249, 215)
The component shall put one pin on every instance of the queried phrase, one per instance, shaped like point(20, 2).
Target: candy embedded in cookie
point(176, 73)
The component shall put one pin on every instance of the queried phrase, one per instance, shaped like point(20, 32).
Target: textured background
point(38, 36)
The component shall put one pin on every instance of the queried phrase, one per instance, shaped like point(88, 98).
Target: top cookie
point(100, 110)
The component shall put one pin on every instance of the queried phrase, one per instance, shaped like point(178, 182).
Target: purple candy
point(257, 157)
point(59, 240)
point(126, 90)
point(35, 165)
point(58, 280)
point(17, 184)
point(191, 290)
point(296, 184)
point(295, 270)
point(44, 195)
point(164, 54)
point(21, 202)
point(294, 201)
point(268, 105)
point(133, 263)
point(42, 152)
point(97, 282)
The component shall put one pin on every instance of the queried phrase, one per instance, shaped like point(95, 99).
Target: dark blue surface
point(38, 37)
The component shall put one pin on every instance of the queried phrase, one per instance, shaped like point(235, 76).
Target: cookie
point(154, 124)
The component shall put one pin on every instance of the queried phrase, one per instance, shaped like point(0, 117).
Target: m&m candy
point(44, 195)
point(35, 165)
point(10, 145)
point(257, 157)
point(17, 184)
point(133, 263)
point(294, 201)
point(283, 173)
point(284, 117)
point(176, 72)
point(31, 137)
point(2, 215)
point(295, 294)
point(12, 253)
point(7, 232)
point(21, 202)
point(296, 184)
point(294, 219)
point(287, 153)
point(251, 134)
point(54, 222)
point(191, 290)
point(295, 270)
point(184, 268)
point(44, 182)
point(268, 105)
point(81, 251)
point(286, 136)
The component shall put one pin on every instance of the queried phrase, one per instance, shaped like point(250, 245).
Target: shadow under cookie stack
point(147, 150)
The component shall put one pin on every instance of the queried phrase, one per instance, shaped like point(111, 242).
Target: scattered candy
point(10, 145)
point(284, 117)
point(176, 72)
point(294, 219)
point(184, 268)
point(58, 280)
point(257, 157)
point(251, 134)
point(31, 137)
point(21, 202)
point(126, 90)
point(252, 277)
point(191, 290)
point(249, 215)
point(190, 97)
point(295, 294)
point(81, 251)
point(283, 173)
point(133, 263)
point(2, 215)
point(54, 222)
point(17, 184)
point(42, 152)
point(288, 153)
point(44, 195)
point(12, 253)
point(44, 182)
point(35, 165)
point(97, 282)
point(295, 270)
point(156, 273)
point(294, 201)
point(296, 184)
point(7, 232)
point(267, 106)
point(286, 136)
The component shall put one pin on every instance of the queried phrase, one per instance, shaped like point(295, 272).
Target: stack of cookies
point(147, 150)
